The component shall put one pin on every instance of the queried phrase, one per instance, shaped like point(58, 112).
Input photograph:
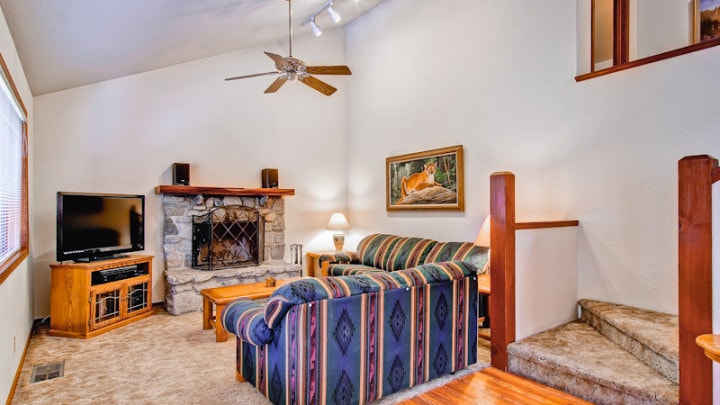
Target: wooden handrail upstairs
point(696, 175)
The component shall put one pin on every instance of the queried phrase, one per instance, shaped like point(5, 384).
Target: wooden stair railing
point(502, 256)
point(696, 175)
point(502, 263)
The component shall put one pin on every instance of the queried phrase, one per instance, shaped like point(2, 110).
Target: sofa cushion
point(374, 249)
point(341, 269)
point(312, 289)
point(245, 319)
point(463, 251)
point(338, 257)
point(407, 253)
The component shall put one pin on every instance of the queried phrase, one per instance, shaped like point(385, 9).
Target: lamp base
point(339, 241)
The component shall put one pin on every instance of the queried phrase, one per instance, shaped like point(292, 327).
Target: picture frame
point(706, 20)
point(428, 180)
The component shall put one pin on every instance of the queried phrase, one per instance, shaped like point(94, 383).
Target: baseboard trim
point(20, 367)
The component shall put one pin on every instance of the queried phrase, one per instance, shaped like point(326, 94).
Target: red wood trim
point(650, 59)
point(194, 190)
point(621, 31)
point(546, 224)
point(716, 175)
point(592, 35)
point(695, 275)
point(502, 263)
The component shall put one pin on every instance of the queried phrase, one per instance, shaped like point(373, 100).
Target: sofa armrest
point(337, 258)
point(245, 319)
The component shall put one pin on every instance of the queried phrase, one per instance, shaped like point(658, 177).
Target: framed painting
point(429, 180)
point(706, 21)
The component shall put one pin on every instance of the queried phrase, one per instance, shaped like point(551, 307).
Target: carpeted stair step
point(650, 336)
point(577, 359)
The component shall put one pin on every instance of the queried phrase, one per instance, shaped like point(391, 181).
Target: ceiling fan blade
point(319, 85)
point(279, 60)
point(328, 70)
point(255, 75)
point(276, 84)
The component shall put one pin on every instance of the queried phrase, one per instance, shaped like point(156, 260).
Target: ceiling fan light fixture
point(315, 29)
point(290, 68)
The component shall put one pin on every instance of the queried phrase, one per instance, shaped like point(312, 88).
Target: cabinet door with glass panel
point(117, 301)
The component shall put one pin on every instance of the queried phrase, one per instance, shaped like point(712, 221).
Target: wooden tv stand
point(87, 299)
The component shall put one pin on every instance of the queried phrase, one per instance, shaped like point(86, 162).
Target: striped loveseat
point(354, 339)
point(383, 252)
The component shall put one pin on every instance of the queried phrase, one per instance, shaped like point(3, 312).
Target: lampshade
point(337, 222)
point(483, 237)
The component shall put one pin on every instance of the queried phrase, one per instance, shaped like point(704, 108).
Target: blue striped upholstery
point(355, 339)
point(464, 251)
point(383, 252)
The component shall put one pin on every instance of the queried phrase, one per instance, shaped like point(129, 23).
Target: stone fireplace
point(249, 244)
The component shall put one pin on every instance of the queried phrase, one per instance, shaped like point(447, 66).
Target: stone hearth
point(182, 287)
point(182, 283)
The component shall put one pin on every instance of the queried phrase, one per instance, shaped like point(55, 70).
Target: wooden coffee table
point(221, 296)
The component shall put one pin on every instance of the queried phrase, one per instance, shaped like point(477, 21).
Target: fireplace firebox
point(227, 236)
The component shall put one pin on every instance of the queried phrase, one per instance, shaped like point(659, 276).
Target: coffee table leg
point(207, 313)
point(221, 334)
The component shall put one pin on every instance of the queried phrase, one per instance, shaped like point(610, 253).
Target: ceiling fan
point(290, 68)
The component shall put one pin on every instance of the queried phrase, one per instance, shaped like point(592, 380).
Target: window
point(13, 176)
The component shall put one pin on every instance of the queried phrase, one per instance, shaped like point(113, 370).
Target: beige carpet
point(160, 359)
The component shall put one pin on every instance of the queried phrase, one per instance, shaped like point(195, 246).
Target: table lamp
point(483, 240)
point(338, 223)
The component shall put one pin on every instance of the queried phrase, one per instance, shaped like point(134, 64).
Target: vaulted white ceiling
point(69, 43)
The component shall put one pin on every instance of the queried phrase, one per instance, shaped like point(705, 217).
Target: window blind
point(12, 184)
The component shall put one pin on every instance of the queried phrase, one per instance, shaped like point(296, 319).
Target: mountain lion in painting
point(419, 181)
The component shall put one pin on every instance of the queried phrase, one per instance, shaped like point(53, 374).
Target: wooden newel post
point(695, 178)
point(502, 267)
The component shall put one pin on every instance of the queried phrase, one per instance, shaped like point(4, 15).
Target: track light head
point(333, 14)
point(315, 29)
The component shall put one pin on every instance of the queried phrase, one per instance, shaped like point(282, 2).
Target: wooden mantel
point(223, 191)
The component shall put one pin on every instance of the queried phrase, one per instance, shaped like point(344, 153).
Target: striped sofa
point(354, 339)
point(383, 252)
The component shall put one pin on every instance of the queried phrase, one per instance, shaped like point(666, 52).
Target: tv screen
point(98, 226)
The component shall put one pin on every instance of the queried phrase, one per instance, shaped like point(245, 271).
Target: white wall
point(16, 293)
point(662, 25)
point(498, 77)
point(546, 279)
point(123, 135)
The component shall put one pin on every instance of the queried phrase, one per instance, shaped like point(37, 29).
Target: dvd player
point(118, 273)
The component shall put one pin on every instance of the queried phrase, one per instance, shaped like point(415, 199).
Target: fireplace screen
point(229, 236)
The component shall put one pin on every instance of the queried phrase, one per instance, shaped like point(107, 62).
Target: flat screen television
point(99, 226)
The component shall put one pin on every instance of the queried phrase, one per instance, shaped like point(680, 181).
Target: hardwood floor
point(492, 386)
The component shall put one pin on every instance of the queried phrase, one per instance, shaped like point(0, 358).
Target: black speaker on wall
point(181, 174)
point(269, 178)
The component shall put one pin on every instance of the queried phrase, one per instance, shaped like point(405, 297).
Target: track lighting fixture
point(334, 15)
point(315, 29)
